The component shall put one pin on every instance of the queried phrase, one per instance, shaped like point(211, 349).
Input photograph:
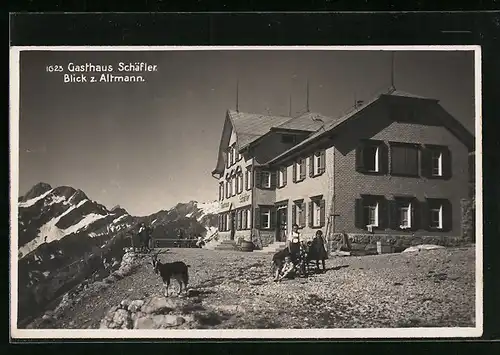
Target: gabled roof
point(309, 121)
point(250, 126)
point(448, 121)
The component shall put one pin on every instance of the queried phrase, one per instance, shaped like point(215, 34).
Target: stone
point(135, 305)
point(121, 319)
point(125, 303)
point(158, 321)
point(156, 305)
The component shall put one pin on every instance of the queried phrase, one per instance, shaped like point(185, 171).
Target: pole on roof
point(307, 96)
point(237, 96)
point(392, 71)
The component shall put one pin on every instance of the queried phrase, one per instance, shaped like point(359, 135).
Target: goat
point(177, 270)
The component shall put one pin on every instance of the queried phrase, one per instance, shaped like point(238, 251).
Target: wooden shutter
point(393, 213)
point(294, 177)
point(383, 213)
point(322, 162)
point(272, 217)
point(302, 168)
point(256, 220)
point(294, 213)
point(426, 163)
point(383, 159)
point(258, 178)
point(311, 166)
point(446, 161)
point(302, 215)
point(322, 213)
point(424, 215)
point(415, 214)
point(359, 221)
point(360, 165)
point(447, 216)
point(285, 172)
point(310, 213)
point(411, 160)
point(273, 179)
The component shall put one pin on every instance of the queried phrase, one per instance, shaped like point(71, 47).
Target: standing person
point(294, 243)
point(319, 250)
point(144, 236)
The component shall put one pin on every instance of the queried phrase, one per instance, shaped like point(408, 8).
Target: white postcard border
point(233, 333)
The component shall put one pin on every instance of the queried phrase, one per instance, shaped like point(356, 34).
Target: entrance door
point(281, 223)
point(233, 224)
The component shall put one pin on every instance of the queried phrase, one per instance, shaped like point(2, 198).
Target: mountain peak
point(36, 190)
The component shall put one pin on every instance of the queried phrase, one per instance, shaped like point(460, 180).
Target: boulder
point(420, 247)
point(159, 321)
point(135, 305)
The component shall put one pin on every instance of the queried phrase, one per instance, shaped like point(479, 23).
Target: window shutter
point(322, 162)
point(285, 172)
point(273, 217)
point(294, 213)
point(359, 158)
point(383, 159)
point(256, 221)
point(244, 219)
point(258, 178)
point(311, 166)
point(294, 170)
point(236, 185)
point(426, 162)
point(302, 215)
point(446, 163)
point(251, 219)
point(393, 215)
point(302, 169)
point(273, 179)
point(310, 214)
point(424, 215)
point(359, 214)
point(382, 213)
point(415, 215)
point(447, 216)
point(322, 213)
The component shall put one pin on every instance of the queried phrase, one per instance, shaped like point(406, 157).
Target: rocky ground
point(428, 288)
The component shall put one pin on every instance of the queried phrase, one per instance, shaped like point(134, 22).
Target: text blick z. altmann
point(92, 73)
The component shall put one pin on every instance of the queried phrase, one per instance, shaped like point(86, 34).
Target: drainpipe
point(253, 201)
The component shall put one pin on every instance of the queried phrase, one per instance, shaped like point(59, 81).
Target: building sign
point(244, 198)
point(225, 205)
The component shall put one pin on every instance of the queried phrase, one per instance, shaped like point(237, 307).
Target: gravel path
point(434, 288)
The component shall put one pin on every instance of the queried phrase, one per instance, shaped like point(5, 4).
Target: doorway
point(281, 223)
point(233, 225)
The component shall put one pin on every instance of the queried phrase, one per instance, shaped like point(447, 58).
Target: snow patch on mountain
point(34, 200)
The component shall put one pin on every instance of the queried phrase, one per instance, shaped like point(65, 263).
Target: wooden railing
point(174, 243)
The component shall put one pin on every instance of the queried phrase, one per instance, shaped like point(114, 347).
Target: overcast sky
point(147, 146)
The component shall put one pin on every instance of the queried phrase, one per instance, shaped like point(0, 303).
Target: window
point(221, 191)
point(298, 213)
point(436, 162)
point(299, 170)
point(439, 215)
point(405, 216)
point(266, 179)
point(239, 219)
point(248, 177)
point(316, 212)
point(233, 185)
point(233, 153)
point(317, 164)
point(288, 139)
point(370, 212)
point(265, 218)
point(436, 217)
point(247, 218)
point(282, 176)
point(371, 157)
point(239, 183)
point(404, 159)
point(228, 189)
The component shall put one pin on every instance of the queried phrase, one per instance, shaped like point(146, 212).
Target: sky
point(148, 145)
